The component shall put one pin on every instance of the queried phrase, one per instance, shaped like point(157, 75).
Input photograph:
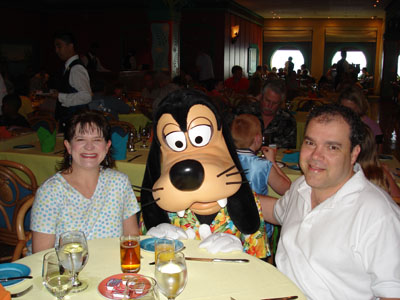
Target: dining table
point(138, 120)
point(255, 279)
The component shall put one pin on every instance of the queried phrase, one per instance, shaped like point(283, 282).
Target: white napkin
point(221, 242)
point(165, 230)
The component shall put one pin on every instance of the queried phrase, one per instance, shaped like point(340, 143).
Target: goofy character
point(194, 180)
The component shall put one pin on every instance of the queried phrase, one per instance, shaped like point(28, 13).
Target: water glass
point(56, 278)
point(171, 274)
point(165, 245)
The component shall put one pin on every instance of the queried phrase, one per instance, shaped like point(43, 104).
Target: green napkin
point(47, 140)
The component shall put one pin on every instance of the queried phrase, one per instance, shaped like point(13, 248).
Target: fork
point(19, 294)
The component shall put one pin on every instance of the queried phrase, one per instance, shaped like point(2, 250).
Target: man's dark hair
point(66, 37)
point(236, 68)
point(12, 100)
point(329, 112)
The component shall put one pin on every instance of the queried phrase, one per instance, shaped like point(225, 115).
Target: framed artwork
point(253, 59)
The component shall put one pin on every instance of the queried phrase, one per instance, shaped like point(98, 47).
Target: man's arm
point(267, 208)
point(130, 226)
point(79, 80)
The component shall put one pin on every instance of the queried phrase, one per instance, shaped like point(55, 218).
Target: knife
point(14, 278)
point(281, 298)
point(238, 260)
point(136, 156)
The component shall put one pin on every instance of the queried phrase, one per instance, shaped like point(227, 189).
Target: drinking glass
point(74, 243)
point(56, 278)
point(165, 245)
point(171, 274)
point(142, 287)
point(130, 253)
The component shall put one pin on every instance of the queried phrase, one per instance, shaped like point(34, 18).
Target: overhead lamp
point(234, 33)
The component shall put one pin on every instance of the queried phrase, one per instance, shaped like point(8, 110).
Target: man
point(289, 65)
point(340, 233)
point(74, 92)
point(279, 124)
point(205, 69)
point(237, 82)
point(91, 61)
point(342, 67)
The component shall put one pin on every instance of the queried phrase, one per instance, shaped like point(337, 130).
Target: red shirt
point(238, 87)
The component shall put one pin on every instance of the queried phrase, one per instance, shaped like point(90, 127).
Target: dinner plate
point(113, 287)
point(148, 244)
point(13, 270)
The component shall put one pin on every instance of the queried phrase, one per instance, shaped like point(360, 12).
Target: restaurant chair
point(22, 235)
point(46, 121)
point(17, 185)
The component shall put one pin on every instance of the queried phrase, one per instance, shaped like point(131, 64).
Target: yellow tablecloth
point(206, 280)
point(137, 120)
point(17, 140)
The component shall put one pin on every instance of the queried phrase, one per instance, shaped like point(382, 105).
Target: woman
point(86, 194)
point(354, 99)
point(375, 171)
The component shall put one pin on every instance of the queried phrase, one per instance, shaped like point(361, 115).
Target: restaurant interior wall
point(318, 29)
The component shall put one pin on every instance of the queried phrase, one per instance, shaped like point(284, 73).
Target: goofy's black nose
point(187, 175)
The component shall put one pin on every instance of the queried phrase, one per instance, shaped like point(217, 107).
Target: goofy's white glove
point(166, 230)
point(218, 242)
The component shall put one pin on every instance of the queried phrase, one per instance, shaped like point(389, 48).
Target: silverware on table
point(235, 260)
point(136, 156)
point(19, 294)
point(57, 152)
point(281, 298)
point(14, 278)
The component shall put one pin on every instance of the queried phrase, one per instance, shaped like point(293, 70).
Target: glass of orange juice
point(165, 245)
point(130, 253)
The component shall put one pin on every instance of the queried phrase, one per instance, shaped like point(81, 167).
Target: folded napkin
point(119, 143)
point(4, 295)
point(4, 133)
point(47, 140)
point(291, 157)
point(221, 242)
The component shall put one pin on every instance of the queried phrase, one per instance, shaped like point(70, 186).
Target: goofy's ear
point(241, 206)
point(152, 213)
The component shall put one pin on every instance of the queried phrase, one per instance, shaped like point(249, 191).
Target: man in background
point(237, 83)
point(205, 70)
point(74, 92)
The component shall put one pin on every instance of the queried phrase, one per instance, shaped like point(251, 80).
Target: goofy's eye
point(200, 135)
point(176, 141)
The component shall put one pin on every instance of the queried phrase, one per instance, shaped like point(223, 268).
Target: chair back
point(45, 121)
point(17, 184)
point(22, 235)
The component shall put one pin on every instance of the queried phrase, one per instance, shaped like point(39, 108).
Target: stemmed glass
point(56, 278)
point(171, 273)
point(74, 243)
point(145, 135)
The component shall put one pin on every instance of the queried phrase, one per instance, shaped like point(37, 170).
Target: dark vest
point(64, 113)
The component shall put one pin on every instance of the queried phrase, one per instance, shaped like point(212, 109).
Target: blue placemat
point(291, 157)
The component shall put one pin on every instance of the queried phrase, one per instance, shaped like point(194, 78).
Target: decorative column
point(165, 21)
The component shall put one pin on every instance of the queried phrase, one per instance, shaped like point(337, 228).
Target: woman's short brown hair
point(244, 129)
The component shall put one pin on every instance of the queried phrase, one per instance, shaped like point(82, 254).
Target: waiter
point(74, 91)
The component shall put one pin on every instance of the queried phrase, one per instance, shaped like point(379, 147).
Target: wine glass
point(56, 278)
point(74, 243)
point(145, 135)
point(171, 274)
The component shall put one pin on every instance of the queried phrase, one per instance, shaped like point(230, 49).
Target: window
point(279, 58)
point(353, 57)
point(398, 66)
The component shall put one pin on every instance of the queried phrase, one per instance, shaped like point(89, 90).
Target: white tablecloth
point(206, 280)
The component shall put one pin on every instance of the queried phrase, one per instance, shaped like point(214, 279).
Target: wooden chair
point(23, 237)
point(126, 126)
point(17, 185)
point(45, 121)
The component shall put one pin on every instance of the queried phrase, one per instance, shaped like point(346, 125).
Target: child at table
point(260, 172)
